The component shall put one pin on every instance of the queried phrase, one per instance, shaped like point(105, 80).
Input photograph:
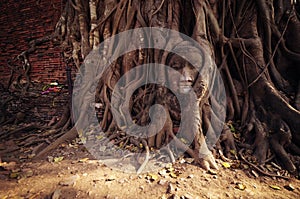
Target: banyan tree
point(171, 69)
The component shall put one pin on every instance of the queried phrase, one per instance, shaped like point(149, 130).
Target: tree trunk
point(250, 41)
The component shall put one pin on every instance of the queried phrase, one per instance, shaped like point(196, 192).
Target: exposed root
point(258, 169)
point(142, 167)
point(252, 76)
point(278, 141)
point(171, 155)
point(68, 136)
point(227, 140)
point(15, 132)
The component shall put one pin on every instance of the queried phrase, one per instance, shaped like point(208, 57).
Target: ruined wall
point(22, 22)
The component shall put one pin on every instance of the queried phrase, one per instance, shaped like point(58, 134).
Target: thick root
point(68, 136)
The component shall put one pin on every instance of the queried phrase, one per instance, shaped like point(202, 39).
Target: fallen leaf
point(8, 166)
point(233, 152)
point(14, 175)
point(276, 166)
point(58, 159)
point(226, 165)
point(75, 146)
point(232, 129)
point(152, 177)
point(169, 165)
point(189, 160)
point(50, 158)
point(170, 169)
point(163, 172)
point(30, 156)
point(99, 137)
point(240, 186)
point(121, 144)
point(270, 168)
point(173, 175)
point(83, 160)
point(26, 173)
point(275, 187)
point(82, 140)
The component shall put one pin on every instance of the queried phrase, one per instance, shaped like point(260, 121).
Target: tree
point(254, 44)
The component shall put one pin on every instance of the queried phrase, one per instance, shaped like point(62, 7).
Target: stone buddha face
point(184, 83)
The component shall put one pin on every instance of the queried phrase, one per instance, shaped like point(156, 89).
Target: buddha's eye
point(176, 65)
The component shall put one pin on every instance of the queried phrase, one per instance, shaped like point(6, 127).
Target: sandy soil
point(78, 175)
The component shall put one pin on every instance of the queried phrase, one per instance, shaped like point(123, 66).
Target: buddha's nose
point(186, 77)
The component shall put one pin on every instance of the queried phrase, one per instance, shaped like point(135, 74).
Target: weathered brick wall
point(22, 22)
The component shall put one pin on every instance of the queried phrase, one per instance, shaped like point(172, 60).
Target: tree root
point(258, 169)
point(23, 129)
point(68, 136)
point(281, 154)
point(227, 139)
point(142, 167)
point(250, 63)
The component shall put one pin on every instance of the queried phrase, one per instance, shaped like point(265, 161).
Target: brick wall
point(22, 22)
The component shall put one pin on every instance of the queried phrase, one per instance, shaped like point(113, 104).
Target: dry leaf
point(233, 152)
point(226, 165)
point(83, 160)
point(240, 186)
point(8, 166)
point(173, 175)
point(58, 159)
point(14, 175)
point(170, 169)
point(99, 137)
point(163, 172)
point(169, 165)
point(152, 177)
point(275, 187)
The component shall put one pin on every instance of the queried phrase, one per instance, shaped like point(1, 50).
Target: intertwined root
point(254, 43)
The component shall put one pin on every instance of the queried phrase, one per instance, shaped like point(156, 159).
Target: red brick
point(22, 22)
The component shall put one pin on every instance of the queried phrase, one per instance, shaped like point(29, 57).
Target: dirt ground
point(71, 172)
